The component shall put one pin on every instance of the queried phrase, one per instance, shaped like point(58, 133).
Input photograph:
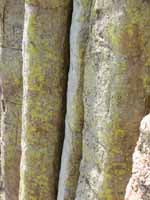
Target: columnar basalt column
point(116, 82)
point(45, 68)
point(11, 28)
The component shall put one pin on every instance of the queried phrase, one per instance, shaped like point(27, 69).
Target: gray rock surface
point(114, 99)
point(72, 150)
point(11, 26)
point(139, 185)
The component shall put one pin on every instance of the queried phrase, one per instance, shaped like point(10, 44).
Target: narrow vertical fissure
point(65, 95)
point(74, 122)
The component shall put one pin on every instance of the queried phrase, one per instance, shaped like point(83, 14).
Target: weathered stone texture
point(139, 184)
point(45, 67)
point(114, 96)
point(108, 94)
point(74, 119)
point(11, 26)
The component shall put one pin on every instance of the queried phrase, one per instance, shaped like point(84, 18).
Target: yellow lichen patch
point(46, 4)
point(45, 68)
point(130, 40)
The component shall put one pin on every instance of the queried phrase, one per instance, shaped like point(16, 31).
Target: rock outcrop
point(139, 184)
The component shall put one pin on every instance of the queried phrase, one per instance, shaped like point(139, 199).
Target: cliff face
point(114, 98)
point(86, 80)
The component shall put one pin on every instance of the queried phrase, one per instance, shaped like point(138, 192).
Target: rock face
point(72, 149)
point(45, 67)
point(11, 27)
point(108, 94)
point(139, 184)
point(114, 96)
